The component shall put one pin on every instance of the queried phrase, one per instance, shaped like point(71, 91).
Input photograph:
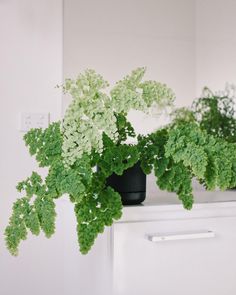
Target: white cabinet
point(166, 250)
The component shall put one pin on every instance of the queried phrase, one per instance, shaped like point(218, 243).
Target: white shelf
point(165, 198)
point(167, 205)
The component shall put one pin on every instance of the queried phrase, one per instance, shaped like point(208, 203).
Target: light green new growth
point(87, 117)
point(93, 112)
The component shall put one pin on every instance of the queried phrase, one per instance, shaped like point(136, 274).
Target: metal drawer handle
point(181, 236)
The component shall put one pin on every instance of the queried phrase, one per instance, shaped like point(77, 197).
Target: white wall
point(114, 37)
point(215, 43)
point(30, 67)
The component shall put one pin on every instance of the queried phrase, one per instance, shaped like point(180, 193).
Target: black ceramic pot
point(131, 185)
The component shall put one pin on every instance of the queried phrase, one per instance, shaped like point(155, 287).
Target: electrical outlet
point(33, 120)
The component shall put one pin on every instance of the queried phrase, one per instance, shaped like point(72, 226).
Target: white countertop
point(167, 205)
point(201, 196)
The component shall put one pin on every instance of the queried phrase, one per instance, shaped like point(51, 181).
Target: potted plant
point(89, 146)
point(215, 112)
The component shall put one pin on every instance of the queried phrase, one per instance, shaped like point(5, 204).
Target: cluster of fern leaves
point(182, 151)
point(96, 205)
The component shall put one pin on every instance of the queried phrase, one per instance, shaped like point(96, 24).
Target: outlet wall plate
point(33, 120)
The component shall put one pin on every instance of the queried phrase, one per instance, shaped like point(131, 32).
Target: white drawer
point(197, 257)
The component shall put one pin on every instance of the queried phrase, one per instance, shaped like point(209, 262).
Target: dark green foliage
point(32, 221)
point(45, 144)
point(117, 158)
point(32, 185)
point(72, 181)
point(38, 215)
point(99, 210)
point(175, 178)
point(216, 115)
point(171, 175)
point(16, 230)
point(45, 209)
point(36, 211)
point(124, 127)
point(152, 149)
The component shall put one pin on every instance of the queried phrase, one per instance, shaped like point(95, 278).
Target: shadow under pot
point(131, 185)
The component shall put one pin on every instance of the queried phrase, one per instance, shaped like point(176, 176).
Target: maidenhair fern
point(89, 145)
